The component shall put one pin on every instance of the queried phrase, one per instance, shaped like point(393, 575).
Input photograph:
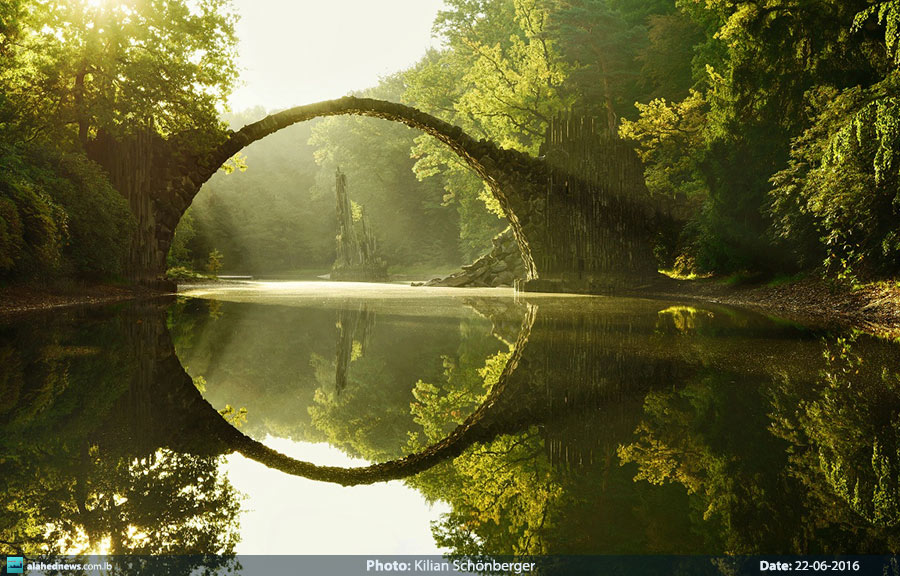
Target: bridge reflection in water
point(548, 425)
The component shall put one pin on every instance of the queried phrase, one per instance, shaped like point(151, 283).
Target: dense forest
point(772, 125)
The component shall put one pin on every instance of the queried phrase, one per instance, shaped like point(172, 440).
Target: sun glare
point(102, 4)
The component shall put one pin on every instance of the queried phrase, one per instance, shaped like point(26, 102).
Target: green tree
point(508, 72)
point(98, 220)
point(603, 48)
point(758, 71)
point(116, 65)
point(851, 423)
point(71, 72)
point(500, 77)
point(58, 213)
point(670, 138)
point(836, 200)
point(180, 253)
point(214, 262)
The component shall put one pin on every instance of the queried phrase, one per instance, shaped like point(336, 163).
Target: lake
point(319, 418)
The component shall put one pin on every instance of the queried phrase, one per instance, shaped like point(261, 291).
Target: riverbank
point(22, 298)
point(873, 308)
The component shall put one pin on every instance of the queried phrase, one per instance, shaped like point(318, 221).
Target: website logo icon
point(15, 564)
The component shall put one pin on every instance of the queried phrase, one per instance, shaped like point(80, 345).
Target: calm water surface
point(251, 418)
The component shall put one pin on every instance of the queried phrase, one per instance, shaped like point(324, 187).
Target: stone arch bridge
point(581, 220)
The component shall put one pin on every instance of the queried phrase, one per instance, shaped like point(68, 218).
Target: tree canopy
point(71, 71)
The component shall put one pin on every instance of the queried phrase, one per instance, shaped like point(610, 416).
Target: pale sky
point(302, 51)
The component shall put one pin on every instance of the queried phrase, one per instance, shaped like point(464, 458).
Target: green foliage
point(504, 66)
point(502, 77)
point(770, 127)
point(58, 213)
point(667, 61)
point(179, 255)
point(501, 491)
point(855, 428)
point(479, 213)
point(99, 223)
point(238, 163)
point(214, 262)
point(182, 274)
point(435, 84)
point(441, 407)
point(31, 227)
point(838, 196)
point(71, 71)
point(170, 63)
point(237, 417)
point(71, 481)
point(888, 14)
point(669, 139)
point(602, 47)
point(780, 143)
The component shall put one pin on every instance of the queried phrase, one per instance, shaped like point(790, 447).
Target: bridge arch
point(486, 159)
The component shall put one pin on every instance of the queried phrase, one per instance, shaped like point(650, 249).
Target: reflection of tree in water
point(681, 319)
point(357, 410)
point(355, 418)
point(486, 486)
point(711, 437)
point(852, 426)
point(786, 466)
point(741, 467)
point(440, 408)
point(733, 465)
point(166, 503)
point(70, 479)
point(552, 488)
point(546, 460)
point(354, 328)
point(500, 491)
point(501, 494)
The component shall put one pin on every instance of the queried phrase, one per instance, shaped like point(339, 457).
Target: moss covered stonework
point(581, 227)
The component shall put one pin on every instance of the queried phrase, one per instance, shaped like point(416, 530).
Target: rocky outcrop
point(502, 266)
point(357, 259)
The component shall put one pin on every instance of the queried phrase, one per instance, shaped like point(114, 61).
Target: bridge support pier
point(585, 212)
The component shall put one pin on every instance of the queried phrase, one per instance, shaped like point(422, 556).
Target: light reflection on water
point(289, 515)
point(260, 290)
